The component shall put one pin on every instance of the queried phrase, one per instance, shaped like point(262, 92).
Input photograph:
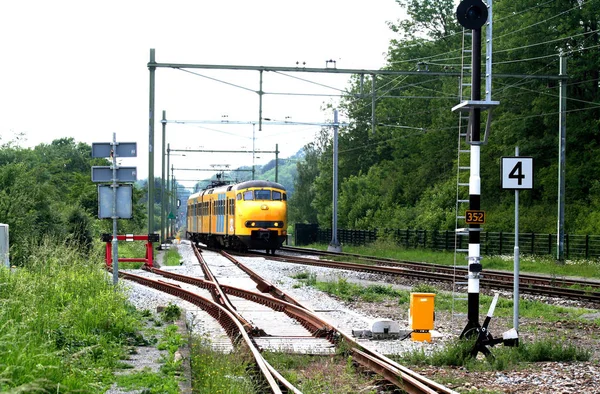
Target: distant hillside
point(286, 172)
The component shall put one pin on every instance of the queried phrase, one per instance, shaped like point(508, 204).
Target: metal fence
point(492, 243)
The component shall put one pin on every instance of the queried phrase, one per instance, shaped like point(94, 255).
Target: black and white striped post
point(473, 14)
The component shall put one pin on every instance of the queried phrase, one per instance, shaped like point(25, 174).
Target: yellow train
point(247, 215)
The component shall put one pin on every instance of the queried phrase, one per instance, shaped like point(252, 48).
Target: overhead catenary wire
point(381, 88)
point(579, 5)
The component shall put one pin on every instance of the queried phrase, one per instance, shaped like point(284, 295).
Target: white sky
point(79, 69)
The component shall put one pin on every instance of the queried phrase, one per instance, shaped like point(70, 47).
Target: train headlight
point(264, 207)
point(276, 224)
point(253, 224)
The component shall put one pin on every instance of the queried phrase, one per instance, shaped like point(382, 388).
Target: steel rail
point(307, 318)
point(402, 377)
point(262, 284)
point(531, 284)
point(232, 326)
point(219, 296)
point(524, 278)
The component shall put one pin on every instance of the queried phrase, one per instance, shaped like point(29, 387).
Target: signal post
point(473, 14)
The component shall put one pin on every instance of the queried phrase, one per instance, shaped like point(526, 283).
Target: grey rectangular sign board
point(123, 149)
point(105, 174)
point(124, 201)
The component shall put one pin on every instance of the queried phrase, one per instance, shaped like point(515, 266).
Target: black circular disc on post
point(472, 14)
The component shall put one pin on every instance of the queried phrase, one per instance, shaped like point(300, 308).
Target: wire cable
point(217, 80)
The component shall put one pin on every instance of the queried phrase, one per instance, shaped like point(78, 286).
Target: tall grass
point(172, 256)
point(62, 323)
point(458, 352)
point(215, 372)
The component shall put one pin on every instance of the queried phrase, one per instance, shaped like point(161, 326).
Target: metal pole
point(335, 246)
point(115, 244)
point(488, 53)
point(474, 266)
point(260, 96)
point(169, 188)
point(373, 100)
point(562, 142)
point(151, 146)
point(162, 181)
point(173, 202)
point(516, 264)
point(253, 138)
point(276, 162)
point(4, 246)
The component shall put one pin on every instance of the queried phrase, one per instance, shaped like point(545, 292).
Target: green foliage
point(150, 382)
point(63, 323)
point(458, 353)
point(322, 374)
point(171, 313)
point(47, 191)
point(351, 292)
point(402, 174)
point(172, 257)
point(164, 381)
point(551, 350)
point(299, 205)
point(307, 278)
point(215, 372)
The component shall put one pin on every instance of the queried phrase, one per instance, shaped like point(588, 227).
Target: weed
point(457, 353)
point(172, 257)
point(171, 313)
point(301, 275)
point(63, 323)
point(215, 372)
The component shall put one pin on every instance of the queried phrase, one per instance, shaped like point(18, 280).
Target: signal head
point(472, 14)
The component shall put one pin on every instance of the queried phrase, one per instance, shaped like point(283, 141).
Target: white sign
point(517, 173)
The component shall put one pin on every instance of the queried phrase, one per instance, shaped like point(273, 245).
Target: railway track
point(575, 289)
point(225, 308)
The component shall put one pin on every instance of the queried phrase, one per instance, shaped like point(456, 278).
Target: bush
point(62, 324)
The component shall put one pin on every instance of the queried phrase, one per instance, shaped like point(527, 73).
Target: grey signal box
point(105, 174)
point(123, 149)
point(124, 201)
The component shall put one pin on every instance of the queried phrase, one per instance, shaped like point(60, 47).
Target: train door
point(230, 220)
point(193, 216)
point(221, 213)
point(211, 213)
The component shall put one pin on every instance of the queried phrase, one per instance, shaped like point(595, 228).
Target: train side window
point(239, 196)
point(276, 195)
point(248, 195)
point(262, 194)
point(284, 197)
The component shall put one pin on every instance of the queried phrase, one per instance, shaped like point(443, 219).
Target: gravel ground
point(539, 378)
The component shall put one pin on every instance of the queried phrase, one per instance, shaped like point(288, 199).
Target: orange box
point(421, 311)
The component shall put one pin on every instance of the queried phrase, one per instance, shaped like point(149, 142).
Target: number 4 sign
point(517, 173)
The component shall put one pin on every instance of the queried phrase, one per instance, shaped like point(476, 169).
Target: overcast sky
point(79, 69)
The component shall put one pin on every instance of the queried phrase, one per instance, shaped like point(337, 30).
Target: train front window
point(248, 195)
point(262, 194)
point(276, 195)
